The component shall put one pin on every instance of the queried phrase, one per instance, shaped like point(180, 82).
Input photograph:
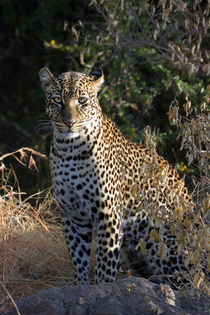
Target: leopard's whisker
point(43, 126)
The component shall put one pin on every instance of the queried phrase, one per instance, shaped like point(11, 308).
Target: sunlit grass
point(33, 251)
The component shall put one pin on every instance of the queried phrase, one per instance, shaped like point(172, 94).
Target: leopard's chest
point(77, 169)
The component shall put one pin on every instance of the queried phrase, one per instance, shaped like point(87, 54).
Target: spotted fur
point(103, 180)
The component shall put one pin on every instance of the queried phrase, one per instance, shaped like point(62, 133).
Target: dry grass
point(33, 251)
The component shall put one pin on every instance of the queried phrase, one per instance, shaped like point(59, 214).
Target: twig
point(20, 151)
point(22, 159)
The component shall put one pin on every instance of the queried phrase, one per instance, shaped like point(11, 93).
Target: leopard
point(106, 183)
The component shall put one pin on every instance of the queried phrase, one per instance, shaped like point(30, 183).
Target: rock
point(128, 296)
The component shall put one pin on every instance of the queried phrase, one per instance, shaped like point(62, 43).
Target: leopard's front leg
point(109, 238)
point(79, 239)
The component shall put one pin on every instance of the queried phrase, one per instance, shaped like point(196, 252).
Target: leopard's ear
point(47, 78)
point(98, 77)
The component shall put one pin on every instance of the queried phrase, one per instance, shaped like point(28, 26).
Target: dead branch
point(24, 156)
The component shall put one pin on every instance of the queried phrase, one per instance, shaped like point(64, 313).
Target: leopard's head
point(71, 98)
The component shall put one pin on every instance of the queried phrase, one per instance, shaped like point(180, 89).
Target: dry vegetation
point(189, 221)
point(33, 250)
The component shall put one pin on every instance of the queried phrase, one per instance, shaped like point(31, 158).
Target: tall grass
point(33, 252)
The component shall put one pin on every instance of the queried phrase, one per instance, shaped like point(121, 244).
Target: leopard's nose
point(69, 123)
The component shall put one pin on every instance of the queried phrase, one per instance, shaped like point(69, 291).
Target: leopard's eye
point(57, 99)
point(82, 100)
